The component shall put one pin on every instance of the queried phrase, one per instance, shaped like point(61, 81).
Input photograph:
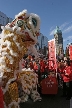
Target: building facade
point(42, 44)
point(58, 41)
point(4, 19)
point(42, 41)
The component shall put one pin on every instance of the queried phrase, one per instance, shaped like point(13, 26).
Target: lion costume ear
point(21, 14)
point(2, 27)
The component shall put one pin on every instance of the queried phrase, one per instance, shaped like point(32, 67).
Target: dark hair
point(33, 56)
point(25, 56)
point(59, 60)
point(68, 62)
point(71, 61)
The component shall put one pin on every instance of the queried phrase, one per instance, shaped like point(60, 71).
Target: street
point(48, 101)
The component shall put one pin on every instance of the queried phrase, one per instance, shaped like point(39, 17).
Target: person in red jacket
point(66, 80)
point(36, 68)
point(42, 65)
point(71, 77)
point(31, 65)
point(60, 75)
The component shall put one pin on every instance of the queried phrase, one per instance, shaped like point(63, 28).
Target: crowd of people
point(64, 71)
point(40, 66)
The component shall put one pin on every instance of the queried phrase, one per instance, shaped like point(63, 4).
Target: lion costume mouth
point(27, 39)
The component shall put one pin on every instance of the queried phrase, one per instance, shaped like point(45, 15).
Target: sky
point(52, 13)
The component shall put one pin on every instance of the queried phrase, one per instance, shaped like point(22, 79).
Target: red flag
point(70, 52)
point(52, 53)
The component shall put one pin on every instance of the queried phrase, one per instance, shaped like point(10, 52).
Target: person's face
point(41, 59)
point(65, 63)
point(62, 63)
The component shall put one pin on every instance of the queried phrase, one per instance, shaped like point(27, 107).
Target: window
point(60, 41)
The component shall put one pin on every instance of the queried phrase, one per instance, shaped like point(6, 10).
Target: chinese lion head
point(16, 38)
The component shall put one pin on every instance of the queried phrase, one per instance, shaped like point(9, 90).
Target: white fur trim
point(23, 12)
point(14, 103)
point(9, 81)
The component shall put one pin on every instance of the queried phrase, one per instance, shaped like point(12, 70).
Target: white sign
point(49, 83)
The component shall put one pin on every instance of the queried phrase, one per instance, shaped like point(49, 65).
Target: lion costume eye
point(34, 21)
point(20, 23)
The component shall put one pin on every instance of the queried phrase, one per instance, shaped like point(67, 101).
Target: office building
point(58, 41)
point(4, 19)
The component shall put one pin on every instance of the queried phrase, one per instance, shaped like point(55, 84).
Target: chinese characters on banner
point(52, 54)
point(70, 52)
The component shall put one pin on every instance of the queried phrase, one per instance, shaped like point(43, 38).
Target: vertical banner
point(70, 52)
point(52, 54)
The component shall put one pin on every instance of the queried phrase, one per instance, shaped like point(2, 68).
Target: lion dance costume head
point(16, 38)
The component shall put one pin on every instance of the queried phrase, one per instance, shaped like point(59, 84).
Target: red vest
point(67, 73)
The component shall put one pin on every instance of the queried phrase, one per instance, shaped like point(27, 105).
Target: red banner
point(52, 53)
point(70, 52)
